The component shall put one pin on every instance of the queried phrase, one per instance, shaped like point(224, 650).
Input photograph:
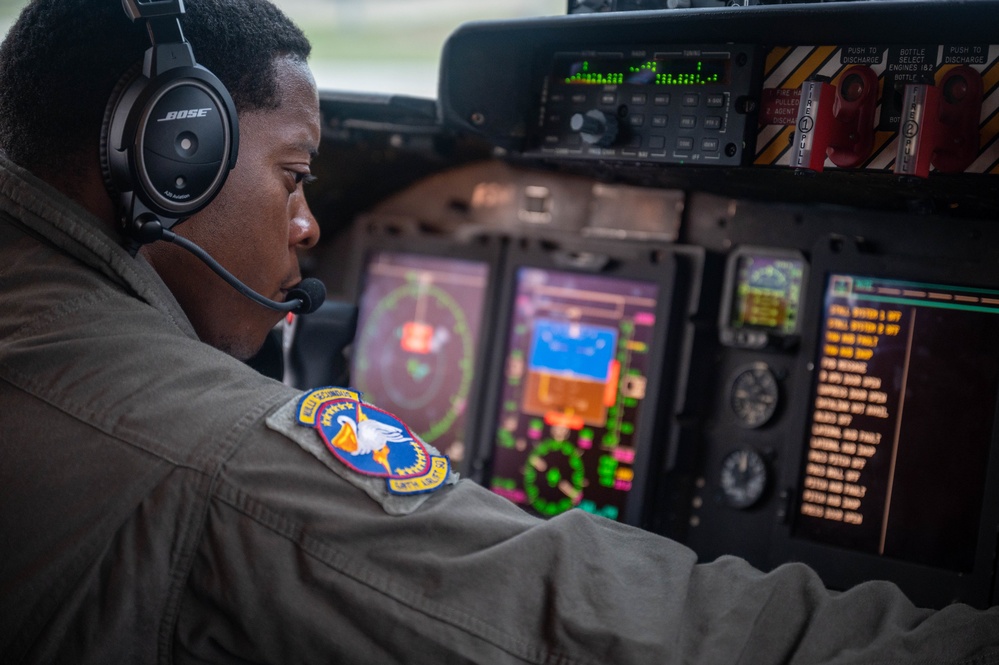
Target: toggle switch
point(939, 124)
point(836, 121)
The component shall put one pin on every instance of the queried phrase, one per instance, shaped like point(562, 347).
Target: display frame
point(484, 249)
point(839, 566)
point(655, 264)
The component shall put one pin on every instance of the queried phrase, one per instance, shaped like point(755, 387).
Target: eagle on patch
point(371, 441)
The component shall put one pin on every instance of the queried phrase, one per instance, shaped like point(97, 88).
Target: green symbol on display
point(417, 370)
point(554, 477)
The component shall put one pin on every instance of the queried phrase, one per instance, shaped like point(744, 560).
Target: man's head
point(58, 67)
point(62, 59)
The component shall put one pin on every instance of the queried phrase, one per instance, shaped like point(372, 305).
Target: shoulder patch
point(367, 446)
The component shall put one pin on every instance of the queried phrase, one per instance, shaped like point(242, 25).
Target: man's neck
point(86, 187)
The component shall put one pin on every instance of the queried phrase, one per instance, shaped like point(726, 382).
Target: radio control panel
point(669, 104)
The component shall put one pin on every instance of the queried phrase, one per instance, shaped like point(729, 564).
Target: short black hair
point(62, 59)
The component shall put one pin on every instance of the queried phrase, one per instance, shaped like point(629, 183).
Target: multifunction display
point(902, 419)
point(577, 373)
point(418, 330)
point(763, 297)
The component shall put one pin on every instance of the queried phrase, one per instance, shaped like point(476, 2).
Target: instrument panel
point(738, 275)
point(781, 382)
point(878, 97)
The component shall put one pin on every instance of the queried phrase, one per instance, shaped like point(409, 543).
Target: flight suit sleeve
point(297, 564)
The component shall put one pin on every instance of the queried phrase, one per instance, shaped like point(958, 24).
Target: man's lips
point(288, 285)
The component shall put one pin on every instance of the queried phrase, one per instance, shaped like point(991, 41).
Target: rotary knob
point(595, 127)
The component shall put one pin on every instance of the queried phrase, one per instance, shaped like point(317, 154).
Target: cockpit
point(726, 272)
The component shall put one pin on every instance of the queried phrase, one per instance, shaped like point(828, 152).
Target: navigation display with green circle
point(418, 329)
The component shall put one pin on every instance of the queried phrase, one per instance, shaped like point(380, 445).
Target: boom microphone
point(303, 299)
point(311, 292)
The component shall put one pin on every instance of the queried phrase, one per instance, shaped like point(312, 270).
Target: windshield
point(386, 46)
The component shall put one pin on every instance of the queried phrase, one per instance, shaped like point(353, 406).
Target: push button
point(713, 122)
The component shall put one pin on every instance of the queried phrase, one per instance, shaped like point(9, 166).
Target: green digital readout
point(658, 70)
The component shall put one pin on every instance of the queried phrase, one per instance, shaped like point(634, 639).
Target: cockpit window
point(393, 46)
point(382, 46)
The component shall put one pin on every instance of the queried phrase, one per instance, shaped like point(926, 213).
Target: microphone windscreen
point(311, 292)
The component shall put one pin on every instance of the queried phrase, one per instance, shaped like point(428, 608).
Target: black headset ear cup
point(169, 141)
point(123, 84)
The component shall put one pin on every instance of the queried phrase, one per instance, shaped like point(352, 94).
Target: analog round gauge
point(754, 395)
point(743, 477)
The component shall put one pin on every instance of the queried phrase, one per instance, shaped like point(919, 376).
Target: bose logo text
point(187, 113)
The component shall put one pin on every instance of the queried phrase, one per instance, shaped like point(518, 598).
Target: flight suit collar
point(48, 215)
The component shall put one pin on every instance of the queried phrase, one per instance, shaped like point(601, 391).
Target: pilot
point(162, 502)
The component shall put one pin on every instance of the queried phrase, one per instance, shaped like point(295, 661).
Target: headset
point(171, 133)
point(169, 139)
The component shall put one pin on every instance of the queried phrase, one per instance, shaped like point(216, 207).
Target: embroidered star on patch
point(372, 442)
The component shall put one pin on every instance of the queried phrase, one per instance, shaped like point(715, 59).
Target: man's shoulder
point(125, 369)
point(365, 445)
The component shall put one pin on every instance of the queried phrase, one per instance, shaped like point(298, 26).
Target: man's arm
point(297, 564)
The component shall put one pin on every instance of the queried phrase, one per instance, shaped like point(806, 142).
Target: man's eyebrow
point(304, 146)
